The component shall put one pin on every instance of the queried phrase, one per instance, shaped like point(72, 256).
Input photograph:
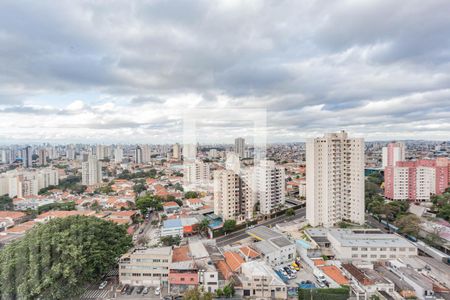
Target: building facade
point(91, 171)
point(148, 267)
point(334, 180)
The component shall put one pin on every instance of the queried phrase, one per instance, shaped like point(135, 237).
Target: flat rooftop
point(365, 238)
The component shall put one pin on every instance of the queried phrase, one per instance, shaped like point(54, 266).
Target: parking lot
point(304, 274)
point(135, 294)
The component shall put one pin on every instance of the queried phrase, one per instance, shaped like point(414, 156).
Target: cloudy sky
point(128, 71)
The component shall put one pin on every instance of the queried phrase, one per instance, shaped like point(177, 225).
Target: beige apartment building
point(334, 180)
point(233, 197)
point(148, 267)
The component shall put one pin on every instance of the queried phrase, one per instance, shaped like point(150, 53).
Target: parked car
point(124, 289)
point(145, 291)
point(288, 270)
point(103, 285)
point(157, 291)
point(139, 289)
point(130, 290)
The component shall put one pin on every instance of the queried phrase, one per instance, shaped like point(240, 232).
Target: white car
point(157, 291)
point(103, 285)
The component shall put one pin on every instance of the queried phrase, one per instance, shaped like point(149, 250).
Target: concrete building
point(274, 247)
point(23, 183)
point(138, 156)
point(172, 227)
point(270, 186)
point(363, 244)
point(259, 281)
point(393, 153)
point(239, 147)
point(42, 157)
point(176, 151)
point(91, 171)
point(233, 196)
point(148, 267)
point(189, 152)
point(334, 180)
point(100, 152)
point(197, 173)
point(118, 155)
point(416, 180)
point(27, 157)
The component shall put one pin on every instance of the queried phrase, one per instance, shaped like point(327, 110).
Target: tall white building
point(91, 171)
point(146, 153)
point(393, 153)
point(239, 147)
point(118, 155)
point(189, 152)
point(334, 180)
point(197, 172)
point(100, 151)
point(270, 186)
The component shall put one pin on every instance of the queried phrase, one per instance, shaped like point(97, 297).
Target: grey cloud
point(286, 56)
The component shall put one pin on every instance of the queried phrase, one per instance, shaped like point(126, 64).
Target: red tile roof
point(334, 273)
point(249, 252)
point(233, 260)
point(11, 214)
point(170, 204)
point(181, 254)
point(224, 269)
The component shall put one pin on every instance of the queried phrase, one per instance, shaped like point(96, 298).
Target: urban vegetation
point(441, 205)
point(71, 183)
point(57, 259)
point(147, 202)
point(6, 203)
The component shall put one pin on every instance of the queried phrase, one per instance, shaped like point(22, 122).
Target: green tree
point(203, 225)
point(409, 224)
point(171, 240)
point(147, 202)
point(190, 195)
point(196, 294)
point(6, 203)
point(290, 212)
point(57, 259)
point(229, 225)
point(228, 291)
point(219, 293)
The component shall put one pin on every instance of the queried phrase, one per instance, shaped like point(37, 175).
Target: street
point(240, 234)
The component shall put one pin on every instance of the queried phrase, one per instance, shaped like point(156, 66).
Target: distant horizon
point(2, 143)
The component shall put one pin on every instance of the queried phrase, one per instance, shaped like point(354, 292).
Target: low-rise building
point(170, 207)
point(172, 227)
point(368, 281)
point(148, 267)
point(274, 247)
point(194, 203)
point(259, 281)
point(364, 244)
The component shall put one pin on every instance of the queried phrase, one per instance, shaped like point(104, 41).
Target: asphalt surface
point(240, 234)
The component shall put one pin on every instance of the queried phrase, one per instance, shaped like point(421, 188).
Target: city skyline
point(314, 67)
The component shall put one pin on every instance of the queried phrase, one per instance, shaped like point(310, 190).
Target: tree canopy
point(148, 201)
point(6, 203)
point(57, 259)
